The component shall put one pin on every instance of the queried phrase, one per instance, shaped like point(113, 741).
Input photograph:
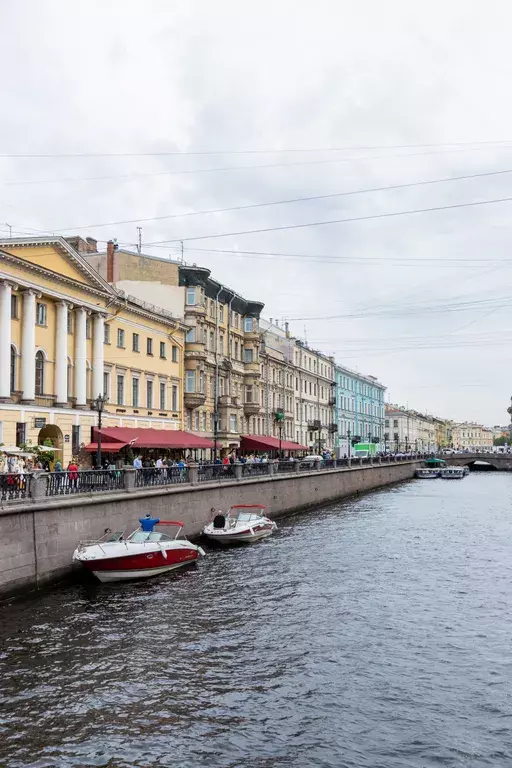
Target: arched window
point(13, 368)
point(70, 379)
point(39, 373)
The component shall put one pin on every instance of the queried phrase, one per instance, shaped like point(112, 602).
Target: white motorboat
point(243, 523)
point(452, 473)
point(139, 555)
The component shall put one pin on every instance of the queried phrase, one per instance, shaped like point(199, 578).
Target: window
point(212, 342)
point(212, 308)
point(201, 382)
point(190, 381)
point(249, 394)
point(162, 395)
point(232, 422)
point(120, 390)
point(395, 423)
point(162, 350)
point(14, 306)
point(39, 373)
point(149, 346)
point(41, 314)
point(203, 425)
point(135, 393)
point(120, 338)
point(75, 439)
point(106, 334)
point(88, 328)
point(191, 335)
point(191, 296)
point(149, 394)
point(248, 324)
point(21, 433)
point(221, 313)
point(196, 421)
point(212, 422)
point(189, 420)
point(174, 354)
point(236, 350)
point(174, 398)
point(13, 369)
point(135, 342)
point(248, 355)
point(106, 385)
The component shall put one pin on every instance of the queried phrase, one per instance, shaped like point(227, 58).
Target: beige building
point(66, 336)
point(407, 430)
point(472, 436)
point(315, 421)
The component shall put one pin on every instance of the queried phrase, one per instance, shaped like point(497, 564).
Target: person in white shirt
point(137, 463)
point(159, 463)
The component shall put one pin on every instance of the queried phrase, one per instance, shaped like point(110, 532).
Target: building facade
point(472, 437)
point(315, 424)
point(359, 409)
point(66, 336)
point(407, 430)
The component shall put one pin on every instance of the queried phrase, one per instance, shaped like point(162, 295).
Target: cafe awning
point(106, 447)
point(266, 443)
point(164, 439)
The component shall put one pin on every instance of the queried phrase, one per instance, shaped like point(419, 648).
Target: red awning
point(105, 447)
point(261, 443)
point(153, 438)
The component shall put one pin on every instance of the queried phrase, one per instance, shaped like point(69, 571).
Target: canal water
point(373, 633)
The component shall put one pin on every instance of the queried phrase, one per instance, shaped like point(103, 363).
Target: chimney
point(92, 245)
point(110, 261)
point(287, 329)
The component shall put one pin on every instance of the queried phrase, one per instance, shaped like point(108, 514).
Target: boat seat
point(219, 521)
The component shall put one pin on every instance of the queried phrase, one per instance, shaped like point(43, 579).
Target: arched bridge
point(502, 461)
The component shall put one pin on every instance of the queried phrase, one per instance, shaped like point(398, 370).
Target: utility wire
point(290, 200)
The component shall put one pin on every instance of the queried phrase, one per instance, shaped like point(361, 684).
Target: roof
point(153, 438)
point(261, 443)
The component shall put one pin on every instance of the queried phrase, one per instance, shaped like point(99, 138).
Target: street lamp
point(279, 419)
point(349, 433)
point(386, 438)
point(99, 405)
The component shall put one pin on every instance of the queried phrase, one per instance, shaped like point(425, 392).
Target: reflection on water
point(375, 632)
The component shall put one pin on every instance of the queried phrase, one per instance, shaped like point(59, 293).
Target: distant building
point(359, 408)
point(472, 436)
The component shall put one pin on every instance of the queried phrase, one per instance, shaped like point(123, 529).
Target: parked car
point(312, 458)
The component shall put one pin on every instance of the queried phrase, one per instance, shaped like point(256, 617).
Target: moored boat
point(452, 473)
point(243, 523)
point(142, 554)
point(427, 474)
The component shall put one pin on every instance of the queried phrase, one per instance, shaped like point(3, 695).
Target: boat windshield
point(244, 517)
point(141, 536)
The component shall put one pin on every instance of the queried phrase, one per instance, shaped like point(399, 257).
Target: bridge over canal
point(501, 461)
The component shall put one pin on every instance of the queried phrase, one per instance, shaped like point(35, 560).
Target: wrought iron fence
point(148, 476)
point(84, 481)
point(252, 469)
point(209, 473)
point(14, 487)
point(284, 467)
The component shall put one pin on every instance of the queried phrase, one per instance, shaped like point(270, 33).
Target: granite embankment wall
point(37, 538)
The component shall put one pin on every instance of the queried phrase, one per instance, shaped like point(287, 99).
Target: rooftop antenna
point(10, 229)
point(182, 252)
point(139, 240)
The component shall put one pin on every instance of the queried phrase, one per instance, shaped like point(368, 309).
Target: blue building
point(359, 408)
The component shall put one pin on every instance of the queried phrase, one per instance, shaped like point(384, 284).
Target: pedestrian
point(59, 475)
point(73, 474)
point(137, 462)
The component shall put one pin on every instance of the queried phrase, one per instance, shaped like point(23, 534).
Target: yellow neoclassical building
point(67, 336)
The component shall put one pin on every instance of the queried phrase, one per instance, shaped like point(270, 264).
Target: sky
point(164, 114)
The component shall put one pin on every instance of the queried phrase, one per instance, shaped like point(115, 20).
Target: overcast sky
point(337, 97)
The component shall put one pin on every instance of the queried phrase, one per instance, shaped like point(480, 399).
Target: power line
point(334, 221)
point(136, 176)
point(186, 153)
point(290, 200)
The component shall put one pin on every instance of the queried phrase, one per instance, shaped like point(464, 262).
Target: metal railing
point(253, 469)
point(84, 481)
point(285, 467)
point(148, 476)
point(14, 487)
point(210, 473)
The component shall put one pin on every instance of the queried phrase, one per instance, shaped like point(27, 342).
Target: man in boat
point(148, 523)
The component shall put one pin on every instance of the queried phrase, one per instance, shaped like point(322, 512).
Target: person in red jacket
point(73, 473)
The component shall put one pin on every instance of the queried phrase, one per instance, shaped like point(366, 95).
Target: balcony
point(331, 401)
point(332, 428)
point(252, 369)
point(197, 310)
point(194, 399)
point(251, 408)
point(195, 351)
point(227, 401)
point(314, 425)
point(47, 401)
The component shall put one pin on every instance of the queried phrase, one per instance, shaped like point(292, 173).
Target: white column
point(5, 341)
point(61, 354)
point(80, 382)
point(28, 347)
point(97, 355)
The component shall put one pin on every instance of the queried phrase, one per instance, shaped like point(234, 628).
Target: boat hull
point(140, 565)
point(239, 538)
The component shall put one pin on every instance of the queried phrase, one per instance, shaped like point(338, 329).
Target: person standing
point(73, 474)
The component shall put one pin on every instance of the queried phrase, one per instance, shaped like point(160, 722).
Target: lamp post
point(349, 433)
point(386, 438)
point(99, 405)
point(279, 419)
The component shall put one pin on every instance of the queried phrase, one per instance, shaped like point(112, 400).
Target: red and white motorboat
point(139, 555)
point(244, 523)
